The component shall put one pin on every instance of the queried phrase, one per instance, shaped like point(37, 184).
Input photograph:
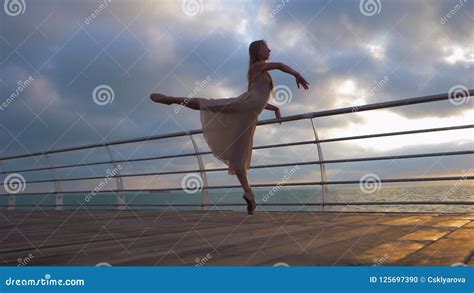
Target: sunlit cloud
point(393, 122)
point(349, 93)
point(376, 51)
point(457, 54)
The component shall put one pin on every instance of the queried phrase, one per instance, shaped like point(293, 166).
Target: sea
point(388, 197)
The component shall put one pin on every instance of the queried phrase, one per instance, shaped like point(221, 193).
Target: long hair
point(254, 57)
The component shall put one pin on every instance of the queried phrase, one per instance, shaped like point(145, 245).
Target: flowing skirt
point(228, 126)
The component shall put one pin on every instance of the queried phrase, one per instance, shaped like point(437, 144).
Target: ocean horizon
point(299, 198)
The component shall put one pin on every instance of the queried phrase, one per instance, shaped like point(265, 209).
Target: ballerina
point(229, 124)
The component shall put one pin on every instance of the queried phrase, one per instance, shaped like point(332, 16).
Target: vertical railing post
point(202, 170)
point(57, 186)
point(118, 179)
point(12, 196)
point(324, 187)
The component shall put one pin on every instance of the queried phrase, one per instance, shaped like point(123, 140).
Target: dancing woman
point(229, 124)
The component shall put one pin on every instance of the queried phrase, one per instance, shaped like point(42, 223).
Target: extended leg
point(192, 103)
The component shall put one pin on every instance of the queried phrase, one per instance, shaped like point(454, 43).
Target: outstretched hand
point(301, 81)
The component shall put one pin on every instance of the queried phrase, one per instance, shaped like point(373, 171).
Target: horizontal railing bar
point(449, 178)
point(431, 202)
point(397, 133)
point(105, 162)
point(381, 105)
point(396, 157)
point(256, 147)
point(96, 145)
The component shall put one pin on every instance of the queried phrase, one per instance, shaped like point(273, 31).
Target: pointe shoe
point(159, 98)
point(251, 205)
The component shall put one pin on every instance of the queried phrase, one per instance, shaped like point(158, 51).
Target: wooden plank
point(233, 238)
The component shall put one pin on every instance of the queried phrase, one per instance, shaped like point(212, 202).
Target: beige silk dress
point(229, 124)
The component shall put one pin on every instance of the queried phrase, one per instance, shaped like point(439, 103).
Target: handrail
point(395, 157)
point(306, 183)
point(255, 148)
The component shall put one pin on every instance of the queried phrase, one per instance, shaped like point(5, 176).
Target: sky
point(86, 70)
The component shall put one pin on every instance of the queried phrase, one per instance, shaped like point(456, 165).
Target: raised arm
point(266, 66)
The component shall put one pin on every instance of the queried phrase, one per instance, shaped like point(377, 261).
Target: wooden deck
point(233, 238)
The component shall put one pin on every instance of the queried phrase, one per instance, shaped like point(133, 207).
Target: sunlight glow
point(349, 93)
point(376, 51)
point(395, 122)
point(459, 54)
point(347, 88)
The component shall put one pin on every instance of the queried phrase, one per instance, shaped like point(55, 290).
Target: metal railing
point(323, 182)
